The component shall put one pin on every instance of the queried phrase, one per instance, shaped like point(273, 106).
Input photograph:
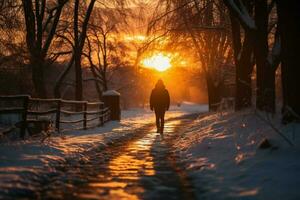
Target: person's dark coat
point(160, 98)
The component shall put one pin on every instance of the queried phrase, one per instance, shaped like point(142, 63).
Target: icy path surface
point(142, 167)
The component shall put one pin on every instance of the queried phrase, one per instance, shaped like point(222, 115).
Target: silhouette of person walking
point(160, 102)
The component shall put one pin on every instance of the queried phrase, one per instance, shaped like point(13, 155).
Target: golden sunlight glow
point(136, 38)
point(160, 62)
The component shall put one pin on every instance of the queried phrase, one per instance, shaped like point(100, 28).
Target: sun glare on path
point(160, 62)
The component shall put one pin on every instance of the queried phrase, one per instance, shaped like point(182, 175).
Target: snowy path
point(139, 168)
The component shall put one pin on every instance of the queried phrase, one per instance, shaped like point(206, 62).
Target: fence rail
point(30, 110)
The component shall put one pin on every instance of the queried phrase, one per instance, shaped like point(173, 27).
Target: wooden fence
point(31, 109)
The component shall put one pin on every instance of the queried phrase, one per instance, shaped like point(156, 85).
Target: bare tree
point(101, 45)
point(202, 24)
point(79, 37)
point(79, 41)
point(41, 20)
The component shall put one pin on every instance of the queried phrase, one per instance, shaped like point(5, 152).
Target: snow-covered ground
point(224, 161)
point(221, 153)
point(23, 161)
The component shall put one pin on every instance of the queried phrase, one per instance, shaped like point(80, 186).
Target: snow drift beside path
point(224, 161)
point(23, 162)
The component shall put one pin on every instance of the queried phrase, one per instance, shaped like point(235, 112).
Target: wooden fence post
point(57, 120)
point(109, 115)
point(102, 114)
point(24, 117)
point(84, 115)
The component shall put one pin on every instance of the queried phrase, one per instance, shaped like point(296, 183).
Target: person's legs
point(162, 121)
point(157, 116)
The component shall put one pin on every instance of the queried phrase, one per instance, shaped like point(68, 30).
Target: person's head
point(160, 84)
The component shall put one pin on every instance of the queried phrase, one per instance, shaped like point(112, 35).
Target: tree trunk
point(289, 27)
point(243, 96)
point(214, 94)
point(98, 89)
point(265, 79)
point(243, 63)
point(104, 84)
point(78, 77)
point(58, 83)
point(79, 43)
point(38, 77)
point(38, 43)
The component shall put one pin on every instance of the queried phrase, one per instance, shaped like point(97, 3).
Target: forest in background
point(79, 49)
point(220, 48)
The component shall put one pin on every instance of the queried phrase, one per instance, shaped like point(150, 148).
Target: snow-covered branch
point(241, 12)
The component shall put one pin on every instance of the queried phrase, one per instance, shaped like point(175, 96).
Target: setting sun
point(159, 62)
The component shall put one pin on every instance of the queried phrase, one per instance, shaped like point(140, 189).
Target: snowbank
point(224, 161)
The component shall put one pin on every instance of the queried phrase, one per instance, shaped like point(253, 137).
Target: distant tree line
point(257, 37)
